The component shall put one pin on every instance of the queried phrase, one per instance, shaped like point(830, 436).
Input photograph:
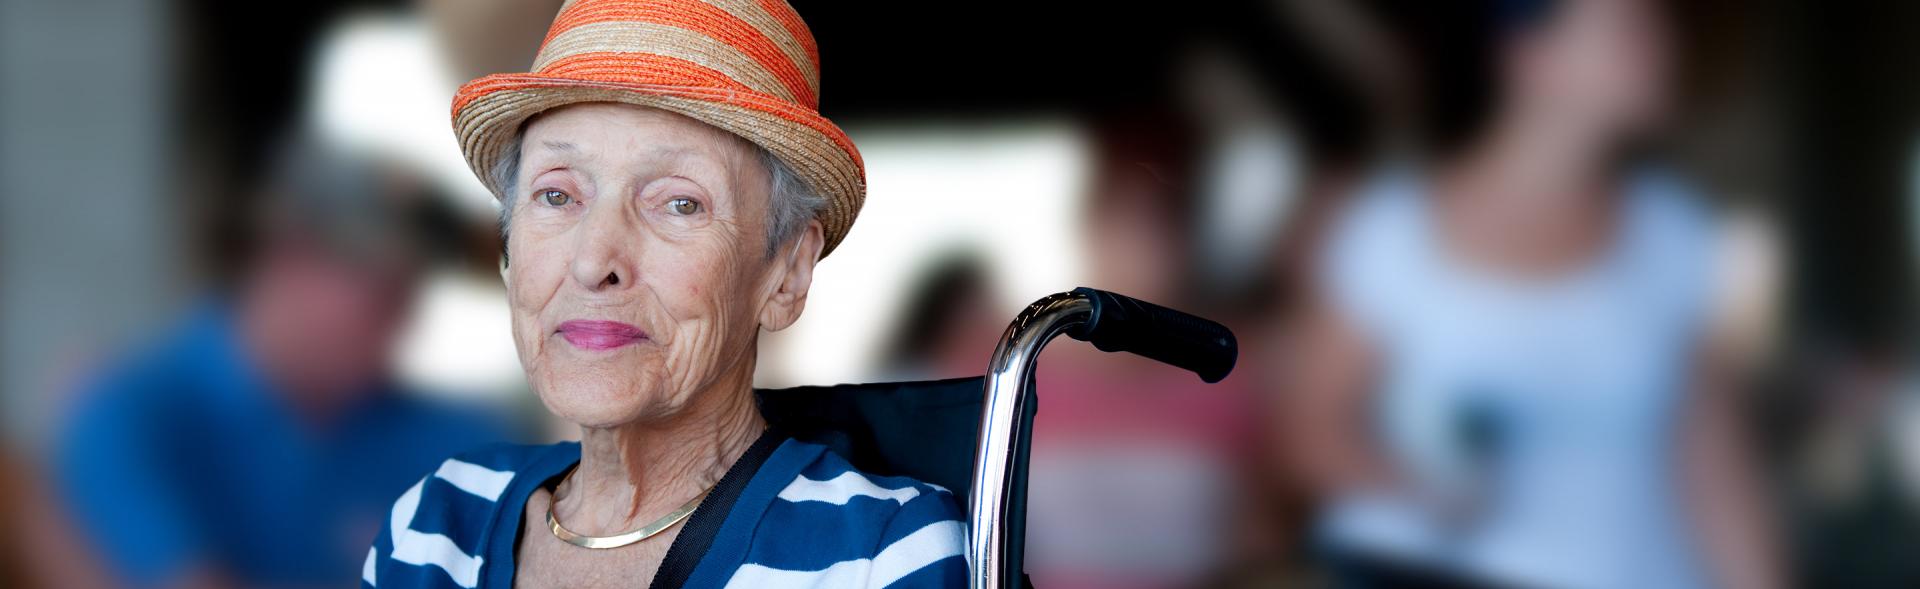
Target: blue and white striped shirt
point(805, 519)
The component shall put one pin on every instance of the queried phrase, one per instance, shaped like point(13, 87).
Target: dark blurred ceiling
point(996, 55)
point(1091, 59)
point(1845, 67)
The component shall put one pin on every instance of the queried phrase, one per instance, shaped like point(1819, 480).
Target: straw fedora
point(749, 67)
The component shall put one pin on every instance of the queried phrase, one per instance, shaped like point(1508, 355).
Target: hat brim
point(488, 113)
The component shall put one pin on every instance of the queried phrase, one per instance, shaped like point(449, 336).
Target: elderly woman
point(666, 188)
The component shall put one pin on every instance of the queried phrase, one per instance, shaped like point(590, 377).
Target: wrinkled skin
point(618, 247)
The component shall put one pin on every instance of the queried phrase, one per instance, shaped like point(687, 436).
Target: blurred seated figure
point(1510, 376)
point(260, 440)
point(1140, 473)
point(950, 326)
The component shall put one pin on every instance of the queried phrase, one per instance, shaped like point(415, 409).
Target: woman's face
point(1606, 63)
point(638, 272)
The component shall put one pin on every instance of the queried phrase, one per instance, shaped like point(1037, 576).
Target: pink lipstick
point(600, 335)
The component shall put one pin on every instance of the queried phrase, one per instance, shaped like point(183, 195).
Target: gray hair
point(792, 202)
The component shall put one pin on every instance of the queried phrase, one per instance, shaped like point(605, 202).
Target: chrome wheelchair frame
point(996, 505)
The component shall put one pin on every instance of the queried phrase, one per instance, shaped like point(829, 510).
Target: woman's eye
point(556, 198)
point(683, 206)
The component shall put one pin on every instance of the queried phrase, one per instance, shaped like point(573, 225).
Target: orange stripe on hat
point(783, 37)
point(643, 68)
point(665, 40)
point(700, 17)
point(791, 20)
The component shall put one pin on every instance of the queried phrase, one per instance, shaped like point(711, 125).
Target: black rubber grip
point(1125, 324)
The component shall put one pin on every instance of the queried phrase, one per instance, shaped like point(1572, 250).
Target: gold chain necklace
point(626, 538)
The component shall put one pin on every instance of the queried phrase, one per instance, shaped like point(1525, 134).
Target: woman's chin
point(603, 403)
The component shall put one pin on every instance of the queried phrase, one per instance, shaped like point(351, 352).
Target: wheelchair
point(972, 435)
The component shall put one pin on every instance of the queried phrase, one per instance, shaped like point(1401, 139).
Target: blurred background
point(1659, 333)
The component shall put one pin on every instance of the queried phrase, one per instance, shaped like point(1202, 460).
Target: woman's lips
point(600, 335)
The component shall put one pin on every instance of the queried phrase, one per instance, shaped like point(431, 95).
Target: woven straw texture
point(749, 67)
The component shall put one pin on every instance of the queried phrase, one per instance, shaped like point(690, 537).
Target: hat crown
point(758, 46)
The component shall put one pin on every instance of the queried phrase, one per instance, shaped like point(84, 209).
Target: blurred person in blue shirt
point(1515, 361)
point(259, 441)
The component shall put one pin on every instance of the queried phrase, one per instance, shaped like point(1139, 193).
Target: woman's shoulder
point(829, 465)
point(838, 525)
point(488, 473)
point(440, 529)
point(1384, 205)
point(862, 505)
point(1373, 249)
point(491, 471)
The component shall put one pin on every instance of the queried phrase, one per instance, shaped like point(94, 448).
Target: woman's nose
point(606, 259)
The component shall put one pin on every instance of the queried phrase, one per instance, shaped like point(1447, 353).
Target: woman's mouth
point(600, 335)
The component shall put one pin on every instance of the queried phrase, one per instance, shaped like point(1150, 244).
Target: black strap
point(697, 537)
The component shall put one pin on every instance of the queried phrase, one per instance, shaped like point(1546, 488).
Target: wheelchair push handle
point(1119, 323)
point(996, 501)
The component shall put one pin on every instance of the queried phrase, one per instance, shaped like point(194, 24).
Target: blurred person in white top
point(1509, 372)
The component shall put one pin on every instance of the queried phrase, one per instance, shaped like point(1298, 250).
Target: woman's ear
point(793, 271)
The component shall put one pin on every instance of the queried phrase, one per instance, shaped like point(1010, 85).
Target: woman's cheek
point(694, 313)
point(532, 278)
point(685, 279)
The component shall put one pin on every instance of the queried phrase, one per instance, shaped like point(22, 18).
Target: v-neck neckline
point(546, 470)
